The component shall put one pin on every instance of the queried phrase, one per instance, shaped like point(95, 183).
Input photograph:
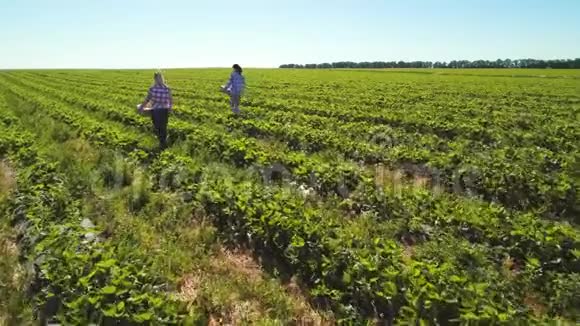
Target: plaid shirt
point(160, 96)
point(236, 83)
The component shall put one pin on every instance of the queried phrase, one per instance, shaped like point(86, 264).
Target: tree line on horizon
point(499, 63)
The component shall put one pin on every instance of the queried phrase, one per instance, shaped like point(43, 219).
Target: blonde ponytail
point(159, 79)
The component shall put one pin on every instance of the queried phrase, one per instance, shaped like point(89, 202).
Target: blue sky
point(181, 33)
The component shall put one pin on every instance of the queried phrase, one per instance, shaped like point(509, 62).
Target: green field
point(358, 196)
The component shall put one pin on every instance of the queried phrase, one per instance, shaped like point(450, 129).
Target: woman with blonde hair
point(161, 105)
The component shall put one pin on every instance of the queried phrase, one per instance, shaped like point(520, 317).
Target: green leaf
point(111, 311)
point(346, 278)
point(109, 289)
point(297, 242)
point(534, 262)
point(144, 316)
point(107, 263)
point(94, 299)
point(389, 288)
point(121, 306)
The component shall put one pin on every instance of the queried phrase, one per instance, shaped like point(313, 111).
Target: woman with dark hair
point(235, 88)
point(161, 104)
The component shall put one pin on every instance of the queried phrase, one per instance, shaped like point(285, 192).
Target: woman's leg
point(160, 119)
point(236, 103)
point(155, 120)
point(163, 128)
point(233, 102)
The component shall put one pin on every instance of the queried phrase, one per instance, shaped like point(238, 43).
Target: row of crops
point(390, 196)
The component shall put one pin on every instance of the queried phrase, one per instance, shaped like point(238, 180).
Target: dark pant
point(160, 118)
point(235, 102)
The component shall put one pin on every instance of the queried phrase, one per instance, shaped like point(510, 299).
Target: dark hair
point(237, 68)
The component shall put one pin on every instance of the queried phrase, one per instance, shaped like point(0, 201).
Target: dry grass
point(7, 178)
point(408, 253)
point(536, 306)
point(243, 263)
point(189, 287)
point(421, 181)
point(239, 262)
point(385, 176)
point(15, 276)
point(222, 288)
point(306, 314)
point(12, 274)
point(398, 178)
point(510, 268)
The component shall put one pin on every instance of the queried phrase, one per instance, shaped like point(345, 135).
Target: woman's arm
point(147, 99)
point(230, 82)
point(170, 100)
